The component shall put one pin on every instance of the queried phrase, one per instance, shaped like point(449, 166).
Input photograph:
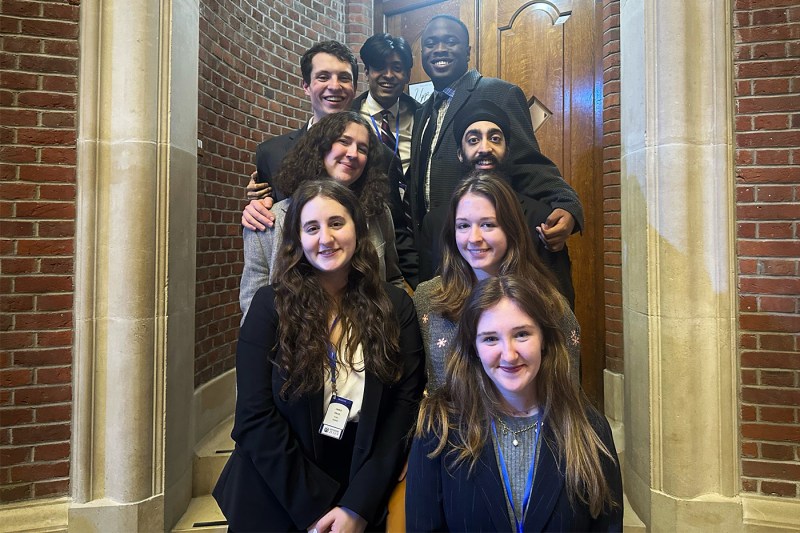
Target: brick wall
point(249, 92)
point(38, 84)
point(612, 259)
point(767, 142)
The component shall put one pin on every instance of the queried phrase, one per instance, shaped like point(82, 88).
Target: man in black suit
point(483, 132)
point(435, 170)
point(387, 64)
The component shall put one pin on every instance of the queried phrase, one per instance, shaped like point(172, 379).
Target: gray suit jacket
point(261, 253)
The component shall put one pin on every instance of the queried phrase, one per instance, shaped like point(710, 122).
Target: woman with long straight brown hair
point(508, 442)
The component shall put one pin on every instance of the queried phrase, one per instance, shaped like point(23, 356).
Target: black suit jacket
point(270, 154)
point(438, 499)
point(275, 480)
point(531, 173)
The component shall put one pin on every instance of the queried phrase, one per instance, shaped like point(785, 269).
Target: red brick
point(16, 377)
point(50, 28)
point(776, 414)
point(749, 449)
point(53, 413)
point(781, 342)
point(14, 417)
point(14, 456)
point(45, 136)
point(18, 117)
point(20, 44)
point(56, 265)
point(770, 396)
point(55, 338)
point(763, 469)
point(38, 471)
point(54, 302)
point(11, 340)
point(57, 192)
point(13, 230)
point(42, 395)
point(58, 156)
point(55, 119)
point(776, 488)
point(18, 81)
point(39, 173)
point(51, 452)
point(46, 210)
point(58, 487)
point(38, 284)
point(777, 360)
point(778, 305)
point(17, 154)
point(44, 357)
point(53, 375)
point(777, 452)
point(15, 303)
point(44, 64)
point(13, 493)
point(764, 105)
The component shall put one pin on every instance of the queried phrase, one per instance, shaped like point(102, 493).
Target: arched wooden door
point(551, 50)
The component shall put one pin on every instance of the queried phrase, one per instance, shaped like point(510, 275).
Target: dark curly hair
point(336, 49)
point(307, 161)
point(305, 309)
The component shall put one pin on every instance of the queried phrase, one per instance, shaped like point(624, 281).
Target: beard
point(500, 166)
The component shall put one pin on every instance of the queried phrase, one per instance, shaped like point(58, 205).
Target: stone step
point(204, 515)
point(210, 457)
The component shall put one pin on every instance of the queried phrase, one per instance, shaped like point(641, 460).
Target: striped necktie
point(386, 130)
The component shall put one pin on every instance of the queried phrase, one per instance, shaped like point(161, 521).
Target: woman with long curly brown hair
point(330, 372)
point(484, 235)
point(343, 147)
point(508, 442)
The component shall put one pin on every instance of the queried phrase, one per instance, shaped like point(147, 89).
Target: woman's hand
point(339, 520)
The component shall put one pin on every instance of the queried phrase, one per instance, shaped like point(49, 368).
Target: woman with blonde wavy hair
point(507, 442)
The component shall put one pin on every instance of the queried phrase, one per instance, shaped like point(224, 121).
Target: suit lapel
point(370, 406)
point(463, 93)
point(547, 485)
point(315, 416)
point(488, 482)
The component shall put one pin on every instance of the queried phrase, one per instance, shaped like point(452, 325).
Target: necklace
point(507, 430)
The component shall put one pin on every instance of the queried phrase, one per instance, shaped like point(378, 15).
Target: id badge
point(336, 418)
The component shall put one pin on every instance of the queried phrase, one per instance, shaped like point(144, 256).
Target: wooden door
point(551, 50)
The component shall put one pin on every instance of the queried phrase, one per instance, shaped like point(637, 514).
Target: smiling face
point(332, 87)
point(328, 237)
point(387, 84)
point(346, 159)
point(509, 345)
point(445, 52)
point(483, 146)
point(479, 237)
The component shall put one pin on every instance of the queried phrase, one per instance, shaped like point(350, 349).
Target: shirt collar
point(373, 108)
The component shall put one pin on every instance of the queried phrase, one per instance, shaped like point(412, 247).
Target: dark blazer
point(531, 173)
point(454, 500)
point(430, 249)
point(270, 154)
point(275, 480)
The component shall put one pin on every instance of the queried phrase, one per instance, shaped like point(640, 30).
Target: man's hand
point(556, 229)
point(257, 216)
point(339, 520)
point(257, 191)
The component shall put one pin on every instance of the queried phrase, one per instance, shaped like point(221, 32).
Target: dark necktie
point(386, 130)
point(427, 140)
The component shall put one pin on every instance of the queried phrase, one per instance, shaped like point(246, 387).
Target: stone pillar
point(135, 265)
point(681, 431)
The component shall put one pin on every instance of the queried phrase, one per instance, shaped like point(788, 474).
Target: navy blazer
point(440, 499)
point(275, 479)
point(532, 175)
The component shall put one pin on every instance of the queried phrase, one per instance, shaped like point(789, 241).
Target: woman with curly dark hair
point(508, 442)
point(330, 372)
point(343, 147)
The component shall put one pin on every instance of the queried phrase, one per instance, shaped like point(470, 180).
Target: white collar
point(372, 107)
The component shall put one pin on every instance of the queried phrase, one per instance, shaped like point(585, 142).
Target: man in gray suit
point(435, 170)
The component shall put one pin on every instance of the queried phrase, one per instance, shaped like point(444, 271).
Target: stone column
point(681, 432)
point(135, 265)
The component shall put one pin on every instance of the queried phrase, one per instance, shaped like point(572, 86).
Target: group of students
point(340, 373)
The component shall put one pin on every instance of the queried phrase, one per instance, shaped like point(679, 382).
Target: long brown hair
point(520, 259)
point(306, 161)
point(460, 412)
point(365, 312)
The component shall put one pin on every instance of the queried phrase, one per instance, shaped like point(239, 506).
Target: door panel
point(550, 49)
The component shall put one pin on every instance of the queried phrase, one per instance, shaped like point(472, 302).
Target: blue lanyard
point(332, 360)
point(396, 130)
point(519, 522)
